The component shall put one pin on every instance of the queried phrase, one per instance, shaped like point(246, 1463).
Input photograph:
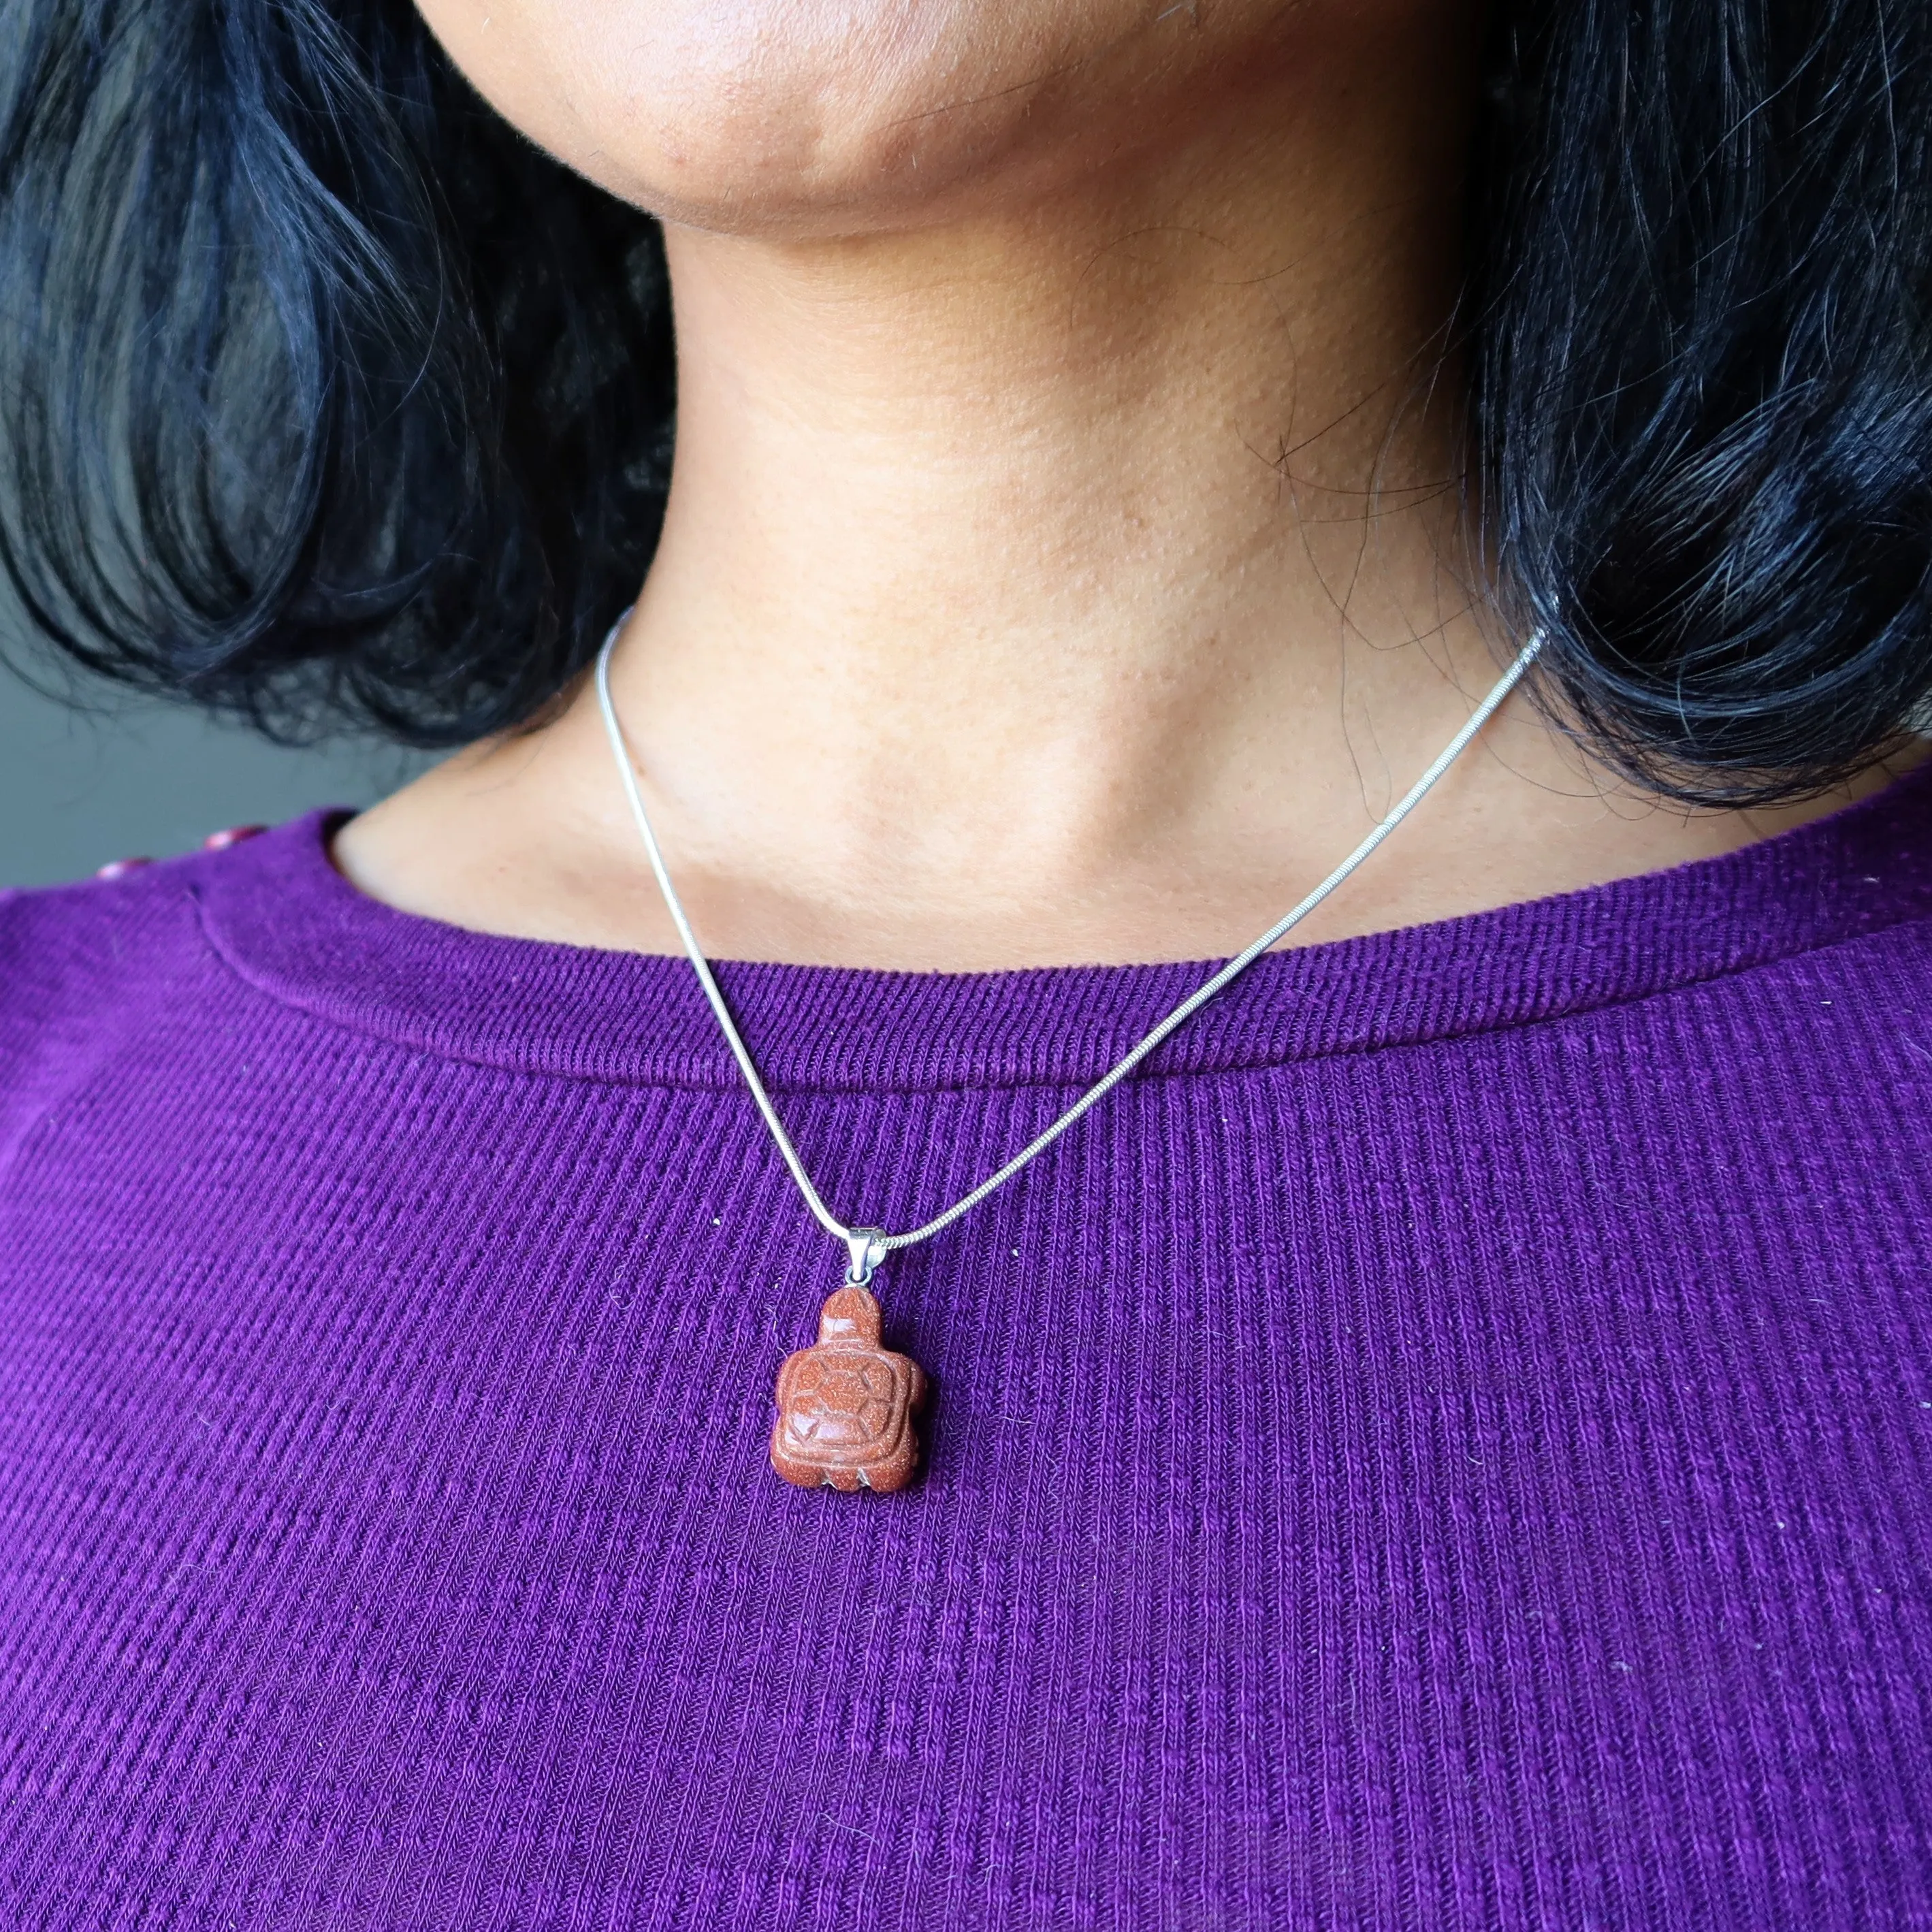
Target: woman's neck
point(1072, 579)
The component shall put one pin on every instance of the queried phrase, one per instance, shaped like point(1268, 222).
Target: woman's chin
point(811, 118)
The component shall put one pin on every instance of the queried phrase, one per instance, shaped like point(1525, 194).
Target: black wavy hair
point(325, 396)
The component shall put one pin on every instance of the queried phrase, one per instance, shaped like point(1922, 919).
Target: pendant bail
point(867, 1248)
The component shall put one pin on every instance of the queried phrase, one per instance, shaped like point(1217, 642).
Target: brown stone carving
point(846, 1405)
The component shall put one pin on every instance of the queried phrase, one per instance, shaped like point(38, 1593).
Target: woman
point(1443, 1443)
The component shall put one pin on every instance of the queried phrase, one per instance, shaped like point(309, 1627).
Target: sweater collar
point(278, 911)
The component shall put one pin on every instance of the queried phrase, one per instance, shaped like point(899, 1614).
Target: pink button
point(220, 841)
point(120, 868)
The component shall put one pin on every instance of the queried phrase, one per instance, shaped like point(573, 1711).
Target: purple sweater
point(1447, 1448)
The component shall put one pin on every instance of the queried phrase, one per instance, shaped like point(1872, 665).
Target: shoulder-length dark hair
point(323, 394)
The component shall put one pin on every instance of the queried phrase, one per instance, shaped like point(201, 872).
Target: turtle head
point(851, 1318)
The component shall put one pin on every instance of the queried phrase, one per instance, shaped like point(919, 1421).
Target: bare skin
point(1064, 561)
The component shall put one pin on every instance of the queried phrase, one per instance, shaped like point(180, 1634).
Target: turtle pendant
point(846, 1405)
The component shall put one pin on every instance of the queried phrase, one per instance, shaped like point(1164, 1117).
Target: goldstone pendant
point(846, 1405)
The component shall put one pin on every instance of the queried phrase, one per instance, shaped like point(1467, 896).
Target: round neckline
point(281, 917)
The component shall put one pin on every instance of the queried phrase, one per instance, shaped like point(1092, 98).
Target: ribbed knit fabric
point(1451, 1447)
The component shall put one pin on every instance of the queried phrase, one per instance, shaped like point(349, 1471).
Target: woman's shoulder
point(66, 936)
point(69, 943)
point(88, 968)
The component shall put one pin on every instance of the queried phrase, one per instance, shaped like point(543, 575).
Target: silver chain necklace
point(842, 1408)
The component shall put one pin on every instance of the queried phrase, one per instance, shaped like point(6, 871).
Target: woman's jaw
point(823, 117)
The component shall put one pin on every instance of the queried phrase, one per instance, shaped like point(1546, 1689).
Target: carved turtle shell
point(846, 1405)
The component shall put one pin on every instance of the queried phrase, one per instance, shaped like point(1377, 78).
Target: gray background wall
point(126, 777)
